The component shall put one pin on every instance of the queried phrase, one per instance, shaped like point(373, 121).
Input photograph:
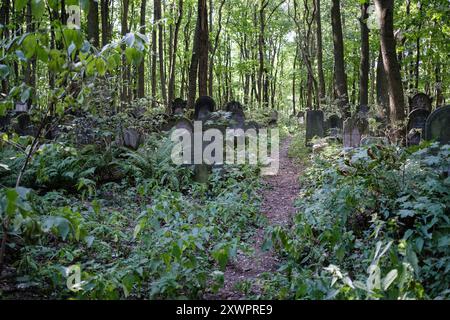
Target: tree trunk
point(92, 23)
point(319, 51)
point(125, 68)
point(214, 48)
point(174, 52)
point(141, 68)
point(162, 71)
point(193, 68)
point(106, 32)
point(391, 66)
point(365, 58)
point(203, 49)
point(382, 86)
point(339, 66)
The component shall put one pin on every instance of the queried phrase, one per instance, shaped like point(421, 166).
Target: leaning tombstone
point(416, 126)
point(314, 125)
point(420, 101)
point(437, 126)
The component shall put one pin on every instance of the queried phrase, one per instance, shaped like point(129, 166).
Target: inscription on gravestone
point(354, 129)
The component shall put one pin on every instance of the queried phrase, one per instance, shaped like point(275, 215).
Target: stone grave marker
point(354, 129)
point(178, 106)
point(132, 138)
point(416, 126)
point(273, 117)
point(237, 114)
point(314, 124)
point(420, 101)
point(437, 126)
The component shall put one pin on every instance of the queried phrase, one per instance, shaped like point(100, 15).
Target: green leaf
point(29, 45)
point(20, 4)
point(25, 95)
point(37, 8)
point(4, 71)
point(389, 279)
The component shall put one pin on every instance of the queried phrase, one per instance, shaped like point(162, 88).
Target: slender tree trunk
point(154, 57)
point(141, 68)
point(214, 48)
point(365, 58)
point(321, 76)
point(4, 33)
point(162, 71)
point(382, 86)
point(203, 49)
point(391, 66)
point(92, 19)
point(193, 68)
point(106, 32)
point(174, 51)
point(125, 68)
point(339, 65)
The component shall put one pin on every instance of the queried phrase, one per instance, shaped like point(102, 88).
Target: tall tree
point(92, 23)
point(162, 69)
point(364, 65)
point(339, 65)
point(174, 51)
point(125, 96)
point(319, 51)
point(385, 10)
point(141, 68)
point(106, 27)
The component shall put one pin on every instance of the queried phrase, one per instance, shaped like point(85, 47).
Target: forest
point(337, 143)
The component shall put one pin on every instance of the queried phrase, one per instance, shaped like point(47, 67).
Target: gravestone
point(420, 101)
point(132, 138)
point(273, 117)
point(314, 124)
point(203, 108)
point(416, 126)
point(437, 126)
point(354, 129)
point(178, 106)
point(185, 123)
point(237, 114)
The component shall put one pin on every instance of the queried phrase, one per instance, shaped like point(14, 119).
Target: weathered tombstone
point(314, 124)
point(185, 123)
point(437, 126)
point(354, 129)
point(132, 138)
point(203, 107)
point(416, 126)
point(273, 117)
point(178, 106)
point(237, 114)
point(420, 101)
point(301, 117)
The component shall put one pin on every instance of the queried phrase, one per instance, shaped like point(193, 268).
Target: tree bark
point(92, 23)
point(162, 71)
point(141, 68)
point(365, 58)
point(391, 66)
point(321, 76)
point(339, 65)
point(174, 52)
point(106, 32)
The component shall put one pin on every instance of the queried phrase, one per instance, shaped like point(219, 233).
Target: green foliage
point(381, 214)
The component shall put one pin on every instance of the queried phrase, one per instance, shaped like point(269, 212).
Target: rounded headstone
point(421, 101)
point(437, 126)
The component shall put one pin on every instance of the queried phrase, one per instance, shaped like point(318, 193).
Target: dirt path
point(278, 206)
